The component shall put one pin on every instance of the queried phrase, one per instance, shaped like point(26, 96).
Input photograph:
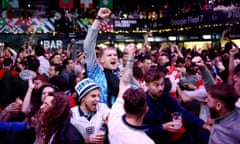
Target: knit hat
point(85, 86)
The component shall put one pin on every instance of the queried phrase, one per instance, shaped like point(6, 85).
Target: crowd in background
point(137, 12)
point(47, 97)
point(69, 19)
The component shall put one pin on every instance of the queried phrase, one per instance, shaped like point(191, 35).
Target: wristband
point(99, 18)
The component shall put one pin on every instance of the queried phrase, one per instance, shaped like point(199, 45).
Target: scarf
point(112, 85)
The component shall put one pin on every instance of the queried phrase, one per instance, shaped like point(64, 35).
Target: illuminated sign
point(52, 44)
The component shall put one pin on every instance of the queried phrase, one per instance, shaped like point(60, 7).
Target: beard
point(156, 95)
point(213, 113)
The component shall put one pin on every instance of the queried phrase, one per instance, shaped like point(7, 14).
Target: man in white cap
point(89, 115)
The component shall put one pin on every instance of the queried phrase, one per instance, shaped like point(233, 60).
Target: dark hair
point(191, 70)
point(167, 54)
point(7, 61)
point(153, 74)
point(50, 59)
point(57, 67)
point(39, 50)
point(54, 118)
point(167, 85)
point(140, 57)
point(162, 68)
point(119, 53)
point(40, 90)
point(60, 82)
point(36, 100)
point(32, 63)
point(146, 57)
point(134, 101)
point(66, 62)
point(137, 72)
point(42, 77)
point(227, 47)
point(225, 93)
point(180, 60)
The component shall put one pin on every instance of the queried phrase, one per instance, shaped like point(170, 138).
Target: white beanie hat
point(85, 86)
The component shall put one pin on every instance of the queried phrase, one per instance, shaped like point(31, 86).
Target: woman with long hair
point(52, 121)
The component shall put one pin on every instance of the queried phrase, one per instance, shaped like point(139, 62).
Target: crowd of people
point(120, 97)
point(135, 11)
point(69, 19)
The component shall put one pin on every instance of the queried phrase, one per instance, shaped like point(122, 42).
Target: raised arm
point(178, 50)
point(27, 98)
point(206, 75)
point(127, 75)
point(14, 53)
point(143, 50)
point(232, 53)
point(89, 44)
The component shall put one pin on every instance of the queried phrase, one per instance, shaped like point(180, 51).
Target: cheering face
point(109, 59)
point(90, 101)
point(46, 106)
point(156, 88)
point(47, 103)
point(46, 92)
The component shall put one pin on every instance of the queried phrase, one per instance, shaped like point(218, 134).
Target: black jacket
point(68, 134)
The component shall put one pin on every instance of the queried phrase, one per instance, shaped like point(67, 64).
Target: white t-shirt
point(86, 127)
point(120, 132)
point(44, 65)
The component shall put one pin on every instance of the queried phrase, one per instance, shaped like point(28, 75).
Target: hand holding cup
point(177, 120)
